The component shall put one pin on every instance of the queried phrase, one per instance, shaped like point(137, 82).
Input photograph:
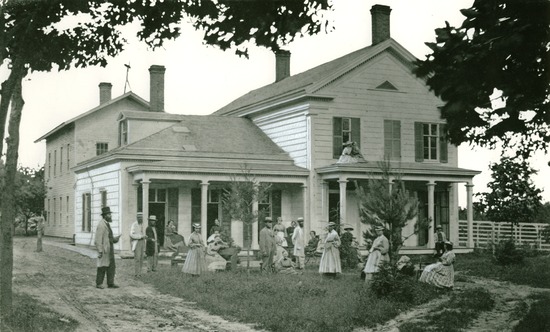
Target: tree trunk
point(8, 199)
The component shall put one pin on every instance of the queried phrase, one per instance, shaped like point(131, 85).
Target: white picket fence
point(487, 231)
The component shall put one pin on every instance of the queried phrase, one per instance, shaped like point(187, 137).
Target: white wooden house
point(289, 134)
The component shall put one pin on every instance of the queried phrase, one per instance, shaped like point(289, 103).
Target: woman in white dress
point(214, 261)
point(378, 253)
point(330, 260)
point(195, 263)
point(442, 273)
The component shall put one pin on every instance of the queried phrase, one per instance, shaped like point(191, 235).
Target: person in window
point(442, 273)
point(195, 262)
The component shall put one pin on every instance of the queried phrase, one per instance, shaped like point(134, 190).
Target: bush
point(506, 253)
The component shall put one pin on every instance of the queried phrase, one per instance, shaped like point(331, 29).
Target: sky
point(201, 79)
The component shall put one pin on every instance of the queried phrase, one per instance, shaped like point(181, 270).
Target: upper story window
point(344, 130)
point(392, 139)
point(430, 142)
point(101, 148)
point(54, 162)
point(123, 133)
point(68, 156)
point(49, 165)
point(61, 161)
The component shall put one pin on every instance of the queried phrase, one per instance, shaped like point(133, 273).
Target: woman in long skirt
point(330, 260)
point(195, 263)
point(378, 253)
point(442, 273)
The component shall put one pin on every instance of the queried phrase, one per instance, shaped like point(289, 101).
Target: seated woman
point(214, 261)
point(442, 273)
point(313, 242)
point(279, 248)
point(172, 240)
point(285, 265)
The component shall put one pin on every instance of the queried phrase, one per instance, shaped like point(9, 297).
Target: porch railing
point(488, 231)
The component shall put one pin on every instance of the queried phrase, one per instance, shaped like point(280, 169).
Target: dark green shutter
point(418, 142)
point(336, 137)
point(443, 151)
point(356, 131)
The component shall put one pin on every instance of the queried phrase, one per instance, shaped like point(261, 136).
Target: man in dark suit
point(267, 245)
point(152, 244)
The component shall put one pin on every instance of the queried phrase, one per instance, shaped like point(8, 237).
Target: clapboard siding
point(288, 129)
point(357, 96)
point(95, 181)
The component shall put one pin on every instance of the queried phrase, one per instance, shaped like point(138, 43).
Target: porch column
point(134, 204)
point(307, 222)
point(431, 191)
point(343, 184)
point(470, 214)
point(204, 202)
point(255, 244)
point(145, 201)
point(324, 198)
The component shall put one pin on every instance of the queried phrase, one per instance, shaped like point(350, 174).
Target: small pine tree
point(391, 207)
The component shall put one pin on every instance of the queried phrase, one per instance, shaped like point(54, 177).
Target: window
point(265, 205)
point(392, 139)
point(67, 205)
point(86, 212)
point(61, 161)
point(123, 133)
point(103, 198)
point(68, 157)
point(157, 195)
point(345, 130)
point(54, 210)
point(101, 148)
point(49, 209)
point(213, 195)
point(54, 162)
point(60, 210)
point(49, 164)
point(430, 142)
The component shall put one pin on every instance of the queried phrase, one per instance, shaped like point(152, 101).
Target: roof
point(202, 137)
point(366, 169)
point(95, 109)
point(315, 78)
point(154, 116)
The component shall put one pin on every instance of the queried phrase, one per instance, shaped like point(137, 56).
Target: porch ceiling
point(408, 171)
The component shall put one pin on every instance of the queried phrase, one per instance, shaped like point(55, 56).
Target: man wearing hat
point(267, 245)
point(104, 241)
point(137, 234)
point(299, 244)
point(152, 245)
point(440, 239)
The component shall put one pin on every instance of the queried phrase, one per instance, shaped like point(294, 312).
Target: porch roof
point(408, 171)
point(221, 167)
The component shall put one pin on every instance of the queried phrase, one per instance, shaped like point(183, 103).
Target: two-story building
point(289, 134)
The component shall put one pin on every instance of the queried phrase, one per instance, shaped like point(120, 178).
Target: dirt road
point(65, 280)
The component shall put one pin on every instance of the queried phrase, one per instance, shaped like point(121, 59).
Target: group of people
point(273, 244)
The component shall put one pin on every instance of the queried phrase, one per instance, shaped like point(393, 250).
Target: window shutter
point(356, 131)
point(336, 137)
point(83, 212)
point(418, 142)
point(443, 147)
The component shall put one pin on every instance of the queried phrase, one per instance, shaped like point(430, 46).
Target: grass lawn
point(31, 315)
point(279, 302)
point(534, 271)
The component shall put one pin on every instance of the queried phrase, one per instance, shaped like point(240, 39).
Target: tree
point(30, 193)
point(512, 195)
point(500, 52)
point(392, 207)
point(40, 35)
point(239, 199)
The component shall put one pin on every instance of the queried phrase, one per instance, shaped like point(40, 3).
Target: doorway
point(158, 210)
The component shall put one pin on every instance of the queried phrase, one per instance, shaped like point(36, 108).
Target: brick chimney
point(380, 23)
point(104, 92)
point(282, 65)
point(156, 85)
